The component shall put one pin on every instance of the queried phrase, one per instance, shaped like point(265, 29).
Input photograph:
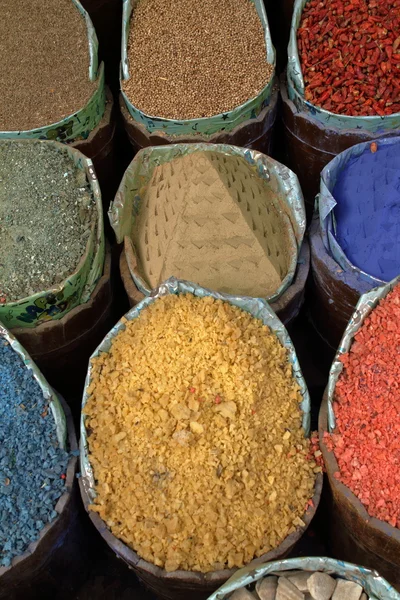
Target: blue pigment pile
point(367, 193)
point(31, 461)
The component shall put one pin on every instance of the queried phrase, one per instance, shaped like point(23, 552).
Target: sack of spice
point(226, 218)
point(33, 455)
point(301, 578)
point(363, 418)
point(51, 86)
point(343, 63)
point(359, 209)
point(196, 69)
point(195, 400)
point(51, 231)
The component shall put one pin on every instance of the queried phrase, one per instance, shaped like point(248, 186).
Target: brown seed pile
point(195, 59)
point(195, 436)
point(45, 63)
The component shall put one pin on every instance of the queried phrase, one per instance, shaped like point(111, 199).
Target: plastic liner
point(295, 84)
point(82, 122)
point(77, 288)
point(205, 125)
point(260, 309)
point(48, 393)
point(374, 585)
point(327, 203)
point(365, 305)
point(283, 182)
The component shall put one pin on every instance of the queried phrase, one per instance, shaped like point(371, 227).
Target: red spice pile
point(350, 55)
point(366, 441)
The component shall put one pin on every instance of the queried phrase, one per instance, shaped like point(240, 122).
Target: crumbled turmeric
point(186, 481)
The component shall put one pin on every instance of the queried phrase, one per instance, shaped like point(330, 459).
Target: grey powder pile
point(44, 53)
point(195, 59)
point(46, 214)
point(32, 464)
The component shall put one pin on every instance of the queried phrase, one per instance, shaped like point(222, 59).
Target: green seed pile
point(46, 215)
point(44, 53)
point(195, 59)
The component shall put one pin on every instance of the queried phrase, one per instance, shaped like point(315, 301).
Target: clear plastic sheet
point(327, 204)
point(260, 309)
point(207, 125)
point(365, 305)
point(48, 393)
point(375, 586)
point(295, 83)
point(282, 181)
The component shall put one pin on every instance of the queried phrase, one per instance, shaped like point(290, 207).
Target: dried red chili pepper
point(350, 55)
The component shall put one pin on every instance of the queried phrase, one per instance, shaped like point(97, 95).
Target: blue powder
point(367, 193)
point(31, 461)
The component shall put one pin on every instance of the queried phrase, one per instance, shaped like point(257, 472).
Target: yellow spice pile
point(196, 442)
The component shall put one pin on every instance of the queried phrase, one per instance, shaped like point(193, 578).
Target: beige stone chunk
point(321, 586)
point(266, 588)
point(300, 580)
point(364, 596)
point(347, 590)
point(287, 591)
point(242, 594)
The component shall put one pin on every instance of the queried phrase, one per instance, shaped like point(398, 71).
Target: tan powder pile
point(195, 59)
point(45, 63)
point(208, 218)
point(195, 436)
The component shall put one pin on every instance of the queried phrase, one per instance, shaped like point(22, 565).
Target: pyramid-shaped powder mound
point(208, 218)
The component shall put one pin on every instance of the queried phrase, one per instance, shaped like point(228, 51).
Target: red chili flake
point(349, 53)
point(374, 147)
point(62, 476)
point(253, 412)
point(192, 390)
point(366, 442)
point(3, 298)
point(218, 399)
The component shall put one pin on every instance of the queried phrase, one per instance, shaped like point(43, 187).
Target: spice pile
point(32, 464)
point(45, 63)
point(350, 56)
point(46, 215)
point(208, 218)
point(301, 585)
point(366, 442)
point(195, 436)
point(367, 212)
point(190, 60)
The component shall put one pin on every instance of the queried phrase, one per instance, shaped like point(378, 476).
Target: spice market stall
point(203, 73)
point(250, 243)
point(309, 577)
point(359, 435)
point(355, 243)
point(39, 525)
point(53, 252)
point(51, 85)
point(343, 82)
point(187, 525)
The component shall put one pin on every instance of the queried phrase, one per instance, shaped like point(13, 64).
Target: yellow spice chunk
point(196, 442)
